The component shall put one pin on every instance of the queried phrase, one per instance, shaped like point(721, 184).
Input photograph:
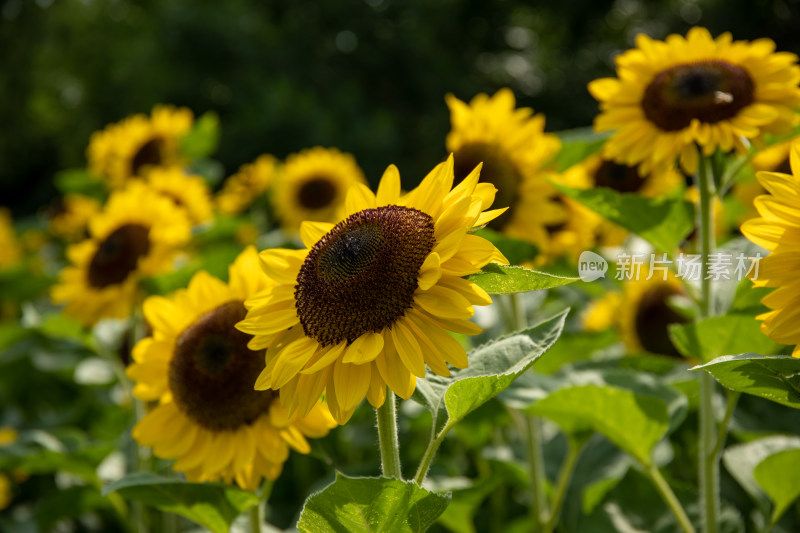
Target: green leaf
point(501, 279)
point(633, 422)
point(777, 475)
point(721, 335)
point(492, 368)
point(212, 505)
point(515, 250)
point(203, 138)
point(663, 222)
point(573, 347)
point(774, 377)
point(740, 461)
point(577, 145)
point(371, 504)
point(460, 514)
point(79, 181)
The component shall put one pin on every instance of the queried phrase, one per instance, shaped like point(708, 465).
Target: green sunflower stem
point(255, 518)
point(669, 498)
point(387, 437)
point(430, 452)
point(708, 456)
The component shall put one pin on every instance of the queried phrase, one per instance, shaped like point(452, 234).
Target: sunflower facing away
point(312, 186)
point(370, 302)
point(136, 234)
point(138, 143)
point(716, 93)
point(241, 189)
point(778, 230)
point(198, 367)
point(514, 150)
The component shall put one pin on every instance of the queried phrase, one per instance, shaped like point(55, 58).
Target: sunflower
point(673, 95)
point(313, 184)
point(186, 191)
point(198, 368)
point(241, 189)
point(136, 234)
point(371, 300)
point(641, 313)
point(9, 247)
point(70, 218)
point(778, 230)
point(138, 143)
point(598, 171)
point(514, 150)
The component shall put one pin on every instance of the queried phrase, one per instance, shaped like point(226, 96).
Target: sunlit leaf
point(212, 505)
point(774, 377)
point(721, 335)
point(492, 368)
point(663, 222)
point(741, 460)
point(371, 505)
point(633, 422)
point(203, 138)
point(500, 279)
point(777, 475)
point(577, 145)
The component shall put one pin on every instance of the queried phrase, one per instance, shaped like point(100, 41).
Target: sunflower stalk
point(708, 456)
point(386, 416)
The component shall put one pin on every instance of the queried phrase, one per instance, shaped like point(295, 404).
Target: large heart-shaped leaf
point(777, 475)
point(721, 335)
point(371, 505)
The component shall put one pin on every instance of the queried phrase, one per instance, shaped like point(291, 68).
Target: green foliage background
point(366, 76)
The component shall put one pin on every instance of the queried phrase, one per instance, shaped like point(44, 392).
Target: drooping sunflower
point(514, 150)
point(251, 181)
point(138, 143)
point(136, 234)
point(673, 95)
point(187, 191)
point(312, 186)
point(70, 218)
point(10, 251)
point(598, 171)
point(198, 367)
point(778, 230)
point(371, 300)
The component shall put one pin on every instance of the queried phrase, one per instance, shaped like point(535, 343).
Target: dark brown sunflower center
point(118, 255)
point(316, 193)
point(618, 177)
point(212, 371)
point(361, 276)
point(497, 170)
point(709, 91)
point(149, 154)
point(653, 315)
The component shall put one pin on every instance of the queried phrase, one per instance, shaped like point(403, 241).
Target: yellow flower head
point(189, 192)
point(138, 143)
point(241, 189)
point(71, 218)
point(9, 246)
point(672, 94)
point(645, 314)
point(778, 230)
point(370, 301)
point(200, 370)
point(514, 150)
point(137, 234)
point(313, 184)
